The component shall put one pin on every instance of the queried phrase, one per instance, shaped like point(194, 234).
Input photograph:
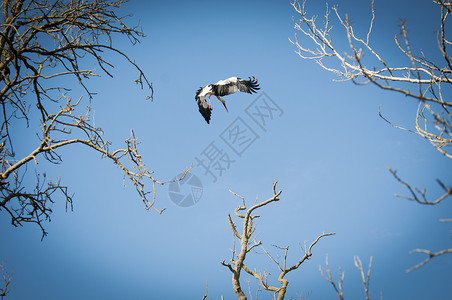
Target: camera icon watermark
point(186, 192)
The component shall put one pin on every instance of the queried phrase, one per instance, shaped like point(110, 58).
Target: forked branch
point(237, 262)
point(338, 287)
point(6, 281)
point(43, 46)
point(423, 78)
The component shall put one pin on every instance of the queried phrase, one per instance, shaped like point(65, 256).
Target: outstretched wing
point(225, 87)
point(234, 84)
point(248, 86)
point(205, 110)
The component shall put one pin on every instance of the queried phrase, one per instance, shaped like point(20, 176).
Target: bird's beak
point(225, 106)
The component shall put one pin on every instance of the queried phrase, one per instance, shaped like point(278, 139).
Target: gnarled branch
point(237, 262)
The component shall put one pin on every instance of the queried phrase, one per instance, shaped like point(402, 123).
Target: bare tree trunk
point(236, 265)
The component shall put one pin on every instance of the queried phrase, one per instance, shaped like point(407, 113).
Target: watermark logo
point(185, 192)
point(222, 153)
point(263, 111)
point(214, 161)
point(239, 136)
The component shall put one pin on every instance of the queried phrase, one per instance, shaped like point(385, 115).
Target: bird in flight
point(223, 88)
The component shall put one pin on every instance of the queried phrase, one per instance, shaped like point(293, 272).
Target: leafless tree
point(422, 79)
point(365, 277)
point(42, 41)
point(247, 243)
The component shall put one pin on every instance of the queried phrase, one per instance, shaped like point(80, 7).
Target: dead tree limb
point(338, 288)
point(43, 46)
point(237, 263)
point(6, 281)
point(419, 77)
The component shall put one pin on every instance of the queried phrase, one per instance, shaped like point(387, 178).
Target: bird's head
point(208, 89)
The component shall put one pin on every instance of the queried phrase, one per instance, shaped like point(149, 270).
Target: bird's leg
point(210, 104)
point(224, 102)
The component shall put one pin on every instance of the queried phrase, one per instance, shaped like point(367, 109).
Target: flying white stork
point(223, 88)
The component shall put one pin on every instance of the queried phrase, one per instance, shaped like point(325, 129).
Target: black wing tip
point(197, 94)
point(253, 84)
point(206, 112)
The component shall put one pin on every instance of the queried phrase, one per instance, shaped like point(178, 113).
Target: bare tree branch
point(329, 278)
point(430, 255)
point(419, 78)
point(338, 288)
point(6, 281)
point(42, 41)
point(365, 278)
point(418, 195)
point(423, 74)
point(236, 265)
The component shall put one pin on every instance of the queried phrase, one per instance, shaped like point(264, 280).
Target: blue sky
point(327, 147)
